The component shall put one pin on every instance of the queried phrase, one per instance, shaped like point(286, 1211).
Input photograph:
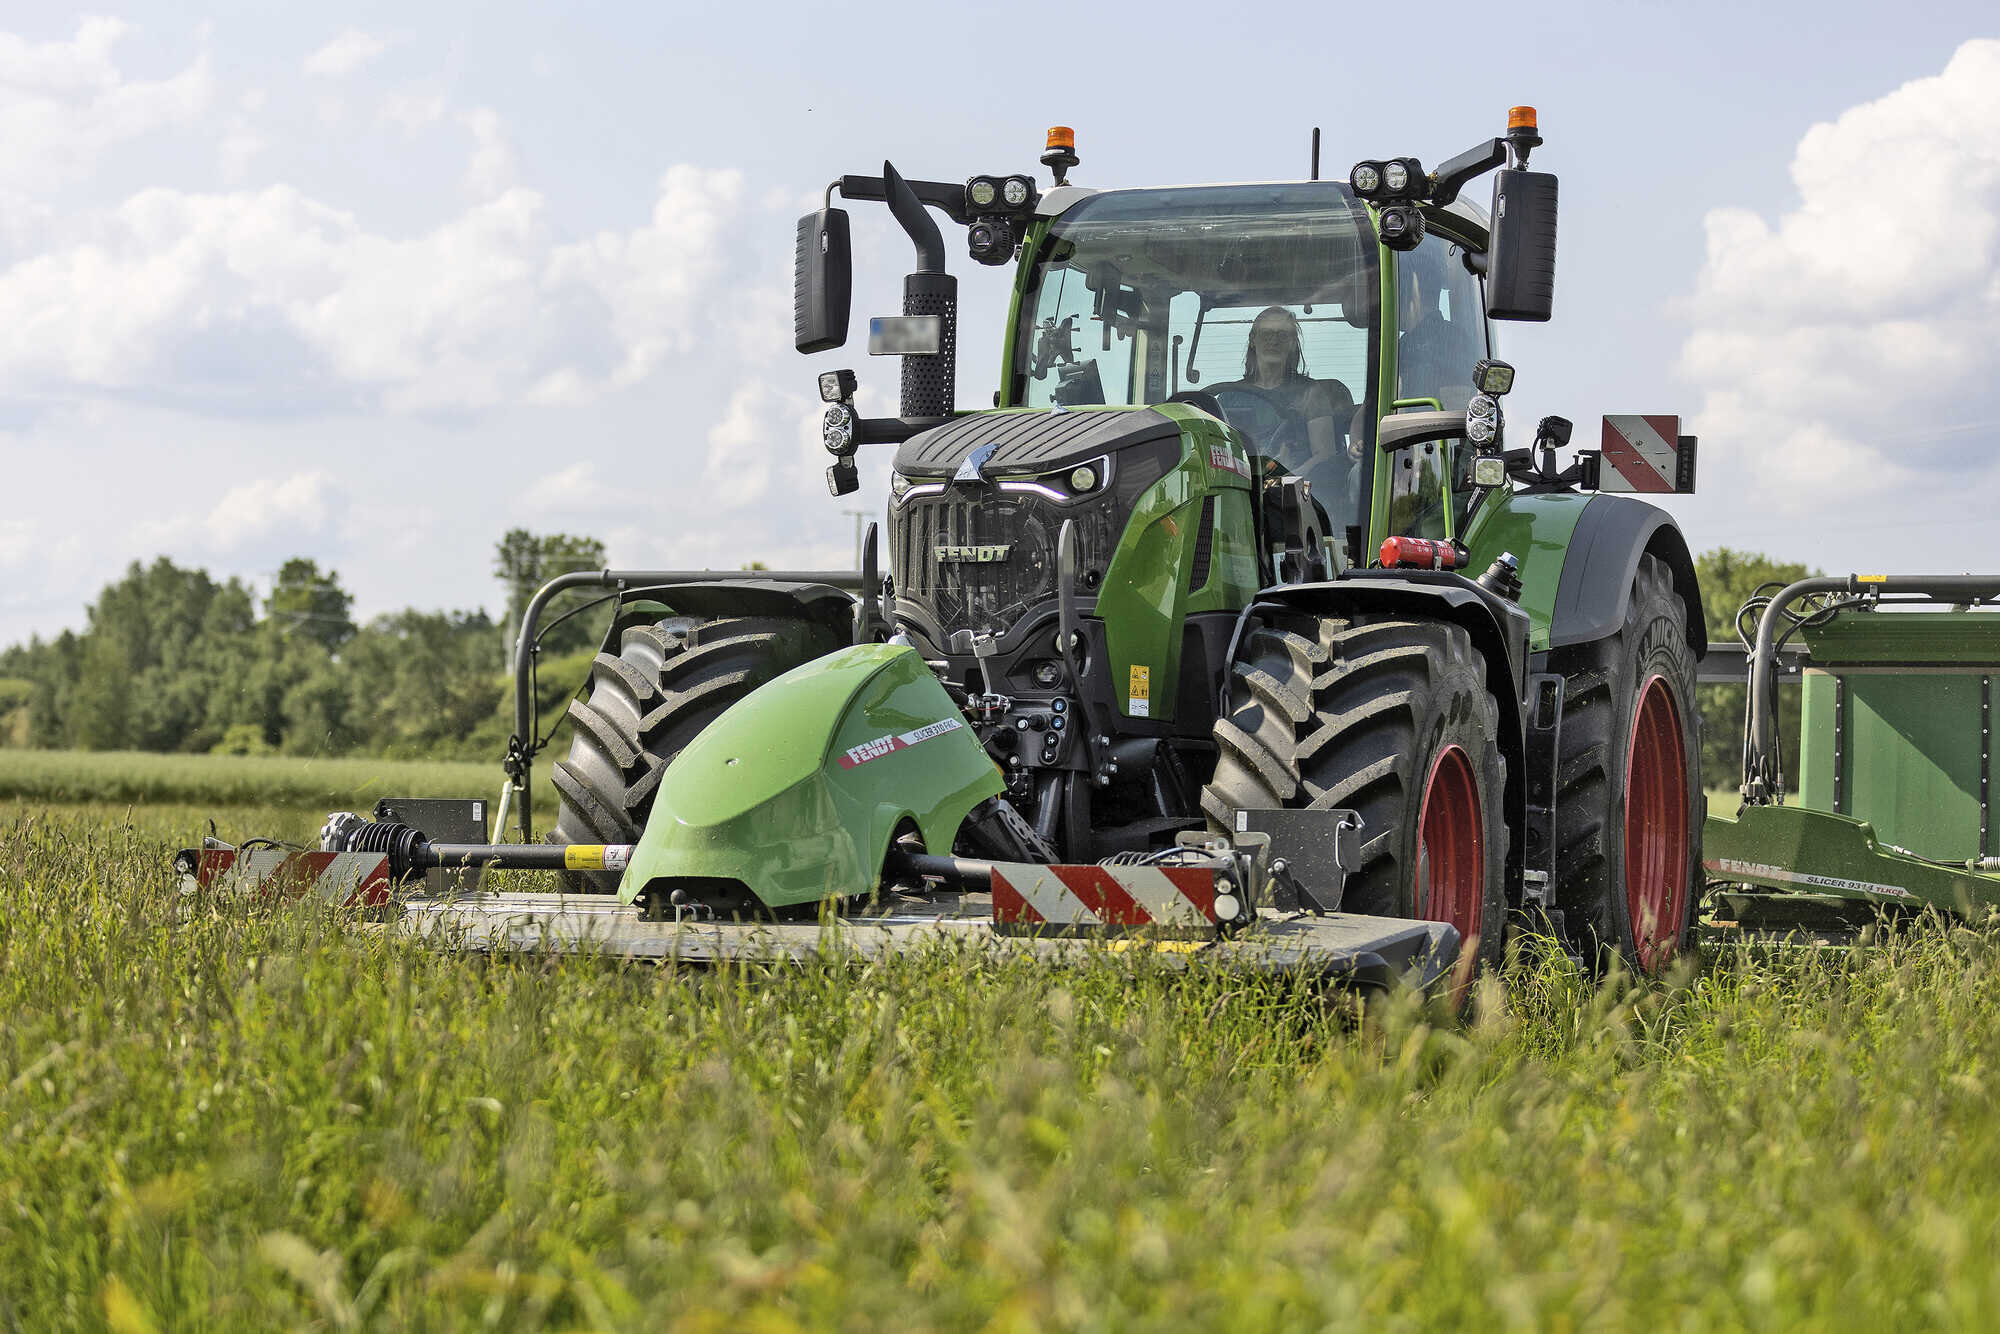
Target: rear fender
point(1610, 536)
point(1499, 630)
point(796, 790)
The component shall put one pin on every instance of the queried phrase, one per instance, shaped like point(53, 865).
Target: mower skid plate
point(1774, 865)
point(1349, 948)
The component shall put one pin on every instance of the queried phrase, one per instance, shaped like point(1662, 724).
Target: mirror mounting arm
point(1460, 171)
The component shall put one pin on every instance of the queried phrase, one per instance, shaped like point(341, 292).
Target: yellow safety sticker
point(1871, 578)
point(596, 856)
point(1140, 692)
point(1158, 946)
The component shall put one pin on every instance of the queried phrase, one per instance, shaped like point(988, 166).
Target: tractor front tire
point(669, 680)
point(1388, 717)
point(1629, 801)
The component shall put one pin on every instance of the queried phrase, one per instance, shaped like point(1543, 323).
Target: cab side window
point(1440, 332)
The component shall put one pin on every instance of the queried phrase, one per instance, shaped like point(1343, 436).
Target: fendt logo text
point(974, 555)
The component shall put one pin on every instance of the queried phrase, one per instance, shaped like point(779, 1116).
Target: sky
point(374, 283)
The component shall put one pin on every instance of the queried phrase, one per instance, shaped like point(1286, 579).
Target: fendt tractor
point(1238, 605)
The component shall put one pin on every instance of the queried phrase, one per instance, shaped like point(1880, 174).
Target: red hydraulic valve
point(1422, 553)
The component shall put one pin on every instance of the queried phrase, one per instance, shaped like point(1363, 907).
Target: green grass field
point(244, 794)
point(220, 1120)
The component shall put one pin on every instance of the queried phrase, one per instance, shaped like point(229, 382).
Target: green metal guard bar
point(1763, 779)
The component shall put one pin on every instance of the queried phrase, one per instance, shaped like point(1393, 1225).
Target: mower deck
point(1347, 948)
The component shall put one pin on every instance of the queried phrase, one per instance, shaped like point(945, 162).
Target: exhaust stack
point(930, 381)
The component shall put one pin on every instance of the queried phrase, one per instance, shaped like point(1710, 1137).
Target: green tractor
point(1242, 547)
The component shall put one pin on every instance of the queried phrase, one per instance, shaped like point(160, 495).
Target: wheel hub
point(1451, 862)
point(1657, 824)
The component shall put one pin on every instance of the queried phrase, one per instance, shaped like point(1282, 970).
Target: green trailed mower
point(1893, 810)
point(1241, 582)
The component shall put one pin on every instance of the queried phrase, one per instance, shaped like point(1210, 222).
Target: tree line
point(171, 660)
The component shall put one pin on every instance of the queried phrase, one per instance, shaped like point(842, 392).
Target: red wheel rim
point(1656, 825)
point(1451, 864)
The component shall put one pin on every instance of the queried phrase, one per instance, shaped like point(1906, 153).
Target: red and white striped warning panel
point(1119, 896)
point(350, 879)
point(1646, 453)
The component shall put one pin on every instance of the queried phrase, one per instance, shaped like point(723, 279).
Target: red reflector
point(1421, 553)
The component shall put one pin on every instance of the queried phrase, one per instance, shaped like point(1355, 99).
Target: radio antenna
point(1315, 165)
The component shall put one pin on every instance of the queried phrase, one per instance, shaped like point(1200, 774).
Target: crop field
point(123, 776)
point(220, 1120)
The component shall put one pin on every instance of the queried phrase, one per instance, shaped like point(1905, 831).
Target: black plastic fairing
point(1030, 442)
point(1604, 550)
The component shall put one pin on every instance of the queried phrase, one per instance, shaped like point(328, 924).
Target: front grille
point(991, 595)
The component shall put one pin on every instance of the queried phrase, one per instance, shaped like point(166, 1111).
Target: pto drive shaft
point(409, 851)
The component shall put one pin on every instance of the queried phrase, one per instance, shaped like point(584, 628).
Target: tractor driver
point(1289, 415)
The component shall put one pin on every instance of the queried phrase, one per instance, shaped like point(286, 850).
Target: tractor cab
point(1273, 308)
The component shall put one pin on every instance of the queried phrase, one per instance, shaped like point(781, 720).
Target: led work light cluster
point(1484, 422)
point(996, 204)
point(1397, 187)
point(839, 430)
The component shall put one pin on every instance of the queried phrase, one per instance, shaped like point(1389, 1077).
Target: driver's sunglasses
point(1272, 337)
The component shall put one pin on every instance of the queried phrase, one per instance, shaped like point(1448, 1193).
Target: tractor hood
point(1026, 443)
point(796, 790)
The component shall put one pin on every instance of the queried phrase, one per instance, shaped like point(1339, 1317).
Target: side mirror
point(822, 281)
point(1521, 275)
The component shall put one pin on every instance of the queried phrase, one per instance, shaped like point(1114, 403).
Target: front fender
point(796, 790)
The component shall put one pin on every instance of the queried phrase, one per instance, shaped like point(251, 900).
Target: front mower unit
point(1893, 813)
point(1200, 909)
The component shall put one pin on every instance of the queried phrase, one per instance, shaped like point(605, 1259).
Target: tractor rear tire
point(1629, 800)
point(1388, 717)
point(668, 681)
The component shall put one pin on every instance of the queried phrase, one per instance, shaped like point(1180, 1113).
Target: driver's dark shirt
point(1302, 396)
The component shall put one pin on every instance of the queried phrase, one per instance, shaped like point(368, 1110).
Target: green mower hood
point(796, 790)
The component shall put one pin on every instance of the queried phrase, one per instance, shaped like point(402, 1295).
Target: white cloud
point(411, 112)
point(269, 300)
point(63, 103)
point(492, 167)
point(740, 446)
point(265, 516)
point(18, 544)
point(1846, 350)
point(650, 278)
point(345, 54)
point(240, 143)
point(576, 491)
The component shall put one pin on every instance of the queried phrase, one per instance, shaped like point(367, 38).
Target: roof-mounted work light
point(1400, 225)
point(1396, 178)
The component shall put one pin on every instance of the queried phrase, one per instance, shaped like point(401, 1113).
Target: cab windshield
point(1254, 301)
